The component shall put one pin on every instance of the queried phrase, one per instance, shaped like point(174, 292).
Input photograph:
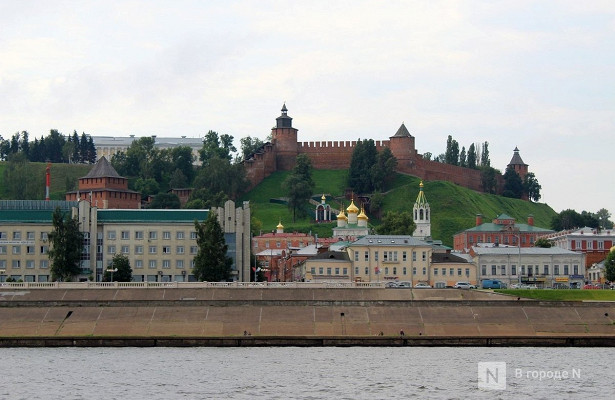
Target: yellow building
point(381, 258)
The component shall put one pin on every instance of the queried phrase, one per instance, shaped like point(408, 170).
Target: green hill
point(453, 207)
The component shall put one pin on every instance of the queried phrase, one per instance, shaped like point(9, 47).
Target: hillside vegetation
point(453, 207)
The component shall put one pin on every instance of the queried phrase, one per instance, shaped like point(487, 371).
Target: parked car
point(493, 284)
point(392, 284)
point(422, 285)
point(407, 285)
point(464, 285)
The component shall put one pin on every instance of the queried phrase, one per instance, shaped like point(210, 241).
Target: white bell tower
point(422, 216)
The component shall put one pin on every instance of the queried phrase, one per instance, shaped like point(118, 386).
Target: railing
point(192, 285)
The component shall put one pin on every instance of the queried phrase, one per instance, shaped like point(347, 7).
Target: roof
point(270, 253)
point(516, 159)
point(184, 216)
point(402, 132)
point(447, 258)
point(29, 216)
point(331, 256)
point(32, 211)
point(388, 240)
point(523, 251)
point(519, 228)
point(102, 169)
point(504, 216)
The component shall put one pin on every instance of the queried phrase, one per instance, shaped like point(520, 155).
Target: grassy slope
point(561, 294)
point(454, 208)
point(63, 176)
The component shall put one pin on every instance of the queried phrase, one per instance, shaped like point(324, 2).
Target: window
point(424, 271)
point(180, 249)
point(375, 256)
point(152, 249)
point(110, 249)
point(394, 270)
point(166, 263)
point(458, 271)
point(152, 264)
point(467, 272)
point(403, 256)
point(451, 271)
point(424, 256)
point(30, 235)
point(194, 249)
point(166, 249)
point(138, 249)
point(29, 263)
point(166, 235)
point(16, 249)
point(575, 269)
point(337, 271)
point(513, 270)
point(405, 271)
point(44, 249)
point(546, 269)
point(356, 270)
point(443, 271)
point(503, 268)
point(179, 264)
point(556, 270)
point(2, 249)
point(483, 270)
point(153, 235)
point(3, 264)
point(413, 270)
point(138, 264)
point(414, 256)
point(179, 235)
point(193, 235)
point(493, 270)
point(356, 256)
point(125, 235)
point(16, 264)
point(29, 249)
point(2, 235)
point(321, 270)
point(139, 235)
point(16, 235)
point(435, 271)
point(44, 236)
point(313, 270)
point(345, 271)
point(366, 271)
point(44, 264)
point(566, 271)
point(366, 255)
point(395, 256)
point(111, 235)
point(278, 244)
point(125, 249)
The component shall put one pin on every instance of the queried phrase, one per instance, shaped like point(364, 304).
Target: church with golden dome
point(352, 224)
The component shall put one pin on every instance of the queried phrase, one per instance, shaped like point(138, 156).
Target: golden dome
point(352, 208)
point(363, 215)
point(341, 215)
point(280, 226)
point(323, 198)
point(421, 185)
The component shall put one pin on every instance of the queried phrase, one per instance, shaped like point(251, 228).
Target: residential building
point(502, 230)
point(107, 146)
point(591, 241)
point(389, 257)
point(447, 268)
point(543, 267)
point(329, 266)
point(160, 244)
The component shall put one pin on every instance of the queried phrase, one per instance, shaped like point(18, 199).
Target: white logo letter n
point(492, 375)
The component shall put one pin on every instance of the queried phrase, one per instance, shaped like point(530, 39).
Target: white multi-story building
point(107, 146)
point(544, 267)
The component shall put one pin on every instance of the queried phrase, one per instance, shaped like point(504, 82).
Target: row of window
point(389, 256)
point(138, 249)
point(44, 264)
point(531, 270)
point(587, 244)
point(16, 264)
point(394, 270)
point(17, 249)
point(152, 235)
point(153, 264)
point(279, 244)
point(18, 236)
point(504, 239)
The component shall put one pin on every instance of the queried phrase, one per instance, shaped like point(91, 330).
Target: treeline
point(570, 219)
point(153, 171)
point(55, 148)
point(475, 157)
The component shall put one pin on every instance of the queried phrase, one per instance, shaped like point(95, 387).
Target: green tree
point(147, 186)
point(202, 198)
point(542, 242)
point(66, 244)
point(488, 179)
point(376, 202)
point(19, 182)
point(383, 171)
point(513, 186)
point(249, 145)
point(182, 159)
point(603, 216)
point(178, 180)
point(609, 266)
point(165, 201)
point(472, 156)
point(122, 272)
point(427, 156)
point(570, 219)
point(396, 223)
point(484, 157)
point(216, 146)
point(463, 162)
point(211, 262)
point(220, 175)
point(299, 186)
point(364, 156)
point(531, 187)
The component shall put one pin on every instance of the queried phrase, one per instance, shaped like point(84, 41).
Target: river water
point(305, 373)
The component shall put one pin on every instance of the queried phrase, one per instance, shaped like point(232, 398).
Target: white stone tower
point(422, 216)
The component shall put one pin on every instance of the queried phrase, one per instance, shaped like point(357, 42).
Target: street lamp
point(111, 270)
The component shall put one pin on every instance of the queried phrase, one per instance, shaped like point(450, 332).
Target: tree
point(364, 156)
point(542, 242)
point(609, 266)
point(427, 156)
point(383, 171)
point(603, 216)
point(299, 185)
point(66, 244)
point(531, 187)
point(19, 182)
point(472, 156)
point(91, 156)
point(249, 145)
point(147, 187)
point(76, 148)
point(182, 159)
point(513, 186)
point(463, 162)
point(178, 180)
point(211, 262)
point(122, 272)
point(488, 179)
point(220, 175)
point(484, 157)
point(570, 219)
point(83, 149)
point(216, 146)
point(165, 201)
point(396, 223)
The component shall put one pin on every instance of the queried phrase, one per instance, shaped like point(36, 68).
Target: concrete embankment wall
point(299, 317)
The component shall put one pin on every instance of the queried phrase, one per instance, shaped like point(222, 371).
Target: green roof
point(491, 227)
point(26, 216)
point(110, 215)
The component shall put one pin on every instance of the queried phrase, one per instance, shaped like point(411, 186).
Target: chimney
point(479, 219)
point(530, 220)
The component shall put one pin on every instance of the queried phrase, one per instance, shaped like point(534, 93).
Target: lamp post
point(111, 270)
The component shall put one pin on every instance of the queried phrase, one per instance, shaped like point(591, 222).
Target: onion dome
point(341, 215)
point(323, 198)
point(280, 226)
point(352, 209)
point(363, 215)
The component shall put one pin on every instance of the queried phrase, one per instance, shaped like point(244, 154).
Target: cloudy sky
point(539, 75)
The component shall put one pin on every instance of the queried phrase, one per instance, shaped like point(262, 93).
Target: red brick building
point(103, 187)
point(281, 152)
point(503, 230)
point(595, 243)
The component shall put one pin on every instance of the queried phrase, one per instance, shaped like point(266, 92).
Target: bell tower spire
point(422, 215)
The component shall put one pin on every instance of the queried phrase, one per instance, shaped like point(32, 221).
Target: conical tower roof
point(103, 169)
point(516, 159)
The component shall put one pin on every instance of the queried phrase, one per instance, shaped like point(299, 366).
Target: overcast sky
point(539, 75)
